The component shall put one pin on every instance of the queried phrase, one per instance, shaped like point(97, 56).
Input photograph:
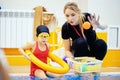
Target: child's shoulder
point(48, 45)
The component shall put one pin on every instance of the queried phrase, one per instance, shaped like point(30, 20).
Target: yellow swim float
point(60, 70)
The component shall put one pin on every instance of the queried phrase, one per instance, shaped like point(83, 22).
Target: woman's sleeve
point(65, 31)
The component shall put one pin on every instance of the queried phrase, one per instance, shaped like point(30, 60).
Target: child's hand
point(24, 53)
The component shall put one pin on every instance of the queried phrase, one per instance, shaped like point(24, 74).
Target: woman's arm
point(67, 44)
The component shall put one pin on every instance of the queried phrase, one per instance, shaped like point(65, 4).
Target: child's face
point(43, 37)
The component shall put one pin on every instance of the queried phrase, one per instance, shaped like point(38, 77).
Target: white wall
point(51, 5)
point(107, 9)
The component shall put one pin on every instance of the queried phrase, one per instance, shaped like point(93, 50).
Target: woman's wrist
point(69, 55)
point(102, 27)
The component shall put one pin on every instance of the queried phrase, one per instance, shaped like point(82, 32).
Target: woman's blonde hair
point(73, 6)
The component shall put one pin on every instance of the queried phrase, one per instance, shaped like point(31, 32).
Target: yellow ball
point(86, 25)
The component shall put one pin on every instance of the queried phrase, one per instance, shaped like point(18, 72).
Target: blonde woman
point(84, 41)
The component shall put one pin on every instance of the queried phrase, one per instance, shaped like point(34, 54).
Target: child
point(40, 49)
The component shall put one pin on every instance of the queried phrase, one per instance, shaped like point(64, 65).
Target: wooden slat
point(17, 60)
point(11, 51)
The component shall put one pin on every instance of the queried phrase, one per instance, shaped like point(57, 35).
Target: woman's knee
point(80, 47)
point(80, 44)
point(101, 45)
point(100, 49)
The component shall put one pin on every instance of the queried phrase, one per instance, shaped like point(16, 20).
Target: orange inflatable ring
point(63, 69)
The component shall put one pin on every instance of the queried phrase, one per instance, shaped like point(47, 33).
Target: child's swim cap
point(42, 28)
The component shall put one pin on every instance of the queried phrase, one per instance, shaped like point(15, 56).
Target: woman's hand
point(94, 21)
point(69, 55)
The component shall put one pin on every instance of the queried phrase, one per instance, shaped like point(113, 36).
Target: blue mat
point(65, 77)
point(103, 76)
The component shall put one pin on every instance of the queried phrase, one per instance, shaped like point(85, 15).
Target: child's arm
point(27, 46)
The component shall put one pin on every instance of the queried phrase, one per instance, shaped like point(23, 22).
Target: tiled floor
point(25, 69)
point(19, 69)
point(111, 69)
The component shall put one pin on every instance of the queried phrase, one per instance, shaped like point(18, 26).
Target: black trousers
point(81, 48)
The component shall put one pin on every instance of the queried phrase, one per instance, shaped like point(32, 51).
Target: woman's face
point(72, 17)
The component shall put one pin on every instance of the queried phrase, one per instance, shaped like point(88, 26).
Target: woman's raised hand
point(94, 21)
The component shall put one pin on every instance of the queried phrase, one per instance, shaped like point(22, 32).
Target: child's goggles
point(43, 35)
